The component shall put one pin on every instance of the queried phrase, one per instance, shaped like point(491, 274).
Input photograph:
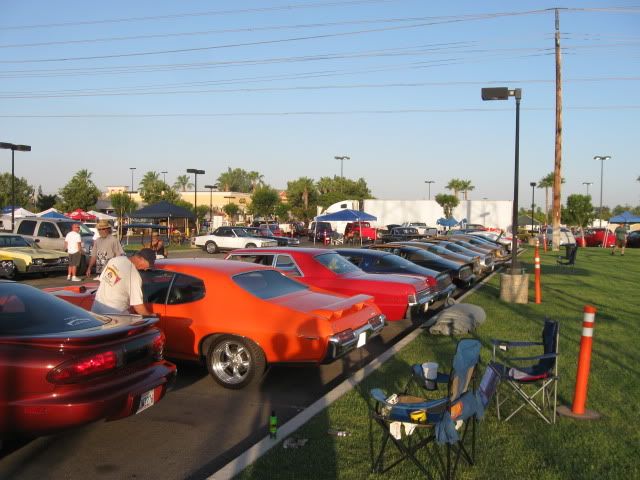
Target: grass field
point(525, 447)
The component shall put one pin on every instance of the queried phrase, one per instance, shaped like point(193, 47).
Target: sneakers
point(68, 278)
point(76, 279)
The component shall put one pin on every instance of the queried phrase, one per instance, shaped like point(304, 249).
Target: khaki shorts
point(620, 243)
point(74, 259)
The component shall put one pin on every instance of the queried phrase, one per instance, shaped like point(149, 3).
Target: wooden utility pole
point(557, 171)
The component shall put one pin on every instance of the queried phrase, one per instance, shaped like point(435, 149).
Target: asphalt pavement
point(195, 430)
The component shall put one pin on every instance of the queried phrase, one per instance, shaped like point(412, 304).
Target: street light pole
point(503, 93)
point(210, 187)
point(164, 176)
point(533, 193)
point(132, 170)
point(587, 184)
point(429, 182)
point(342, 158)
point(602, 158)
point(195, 172)
point(13, 148)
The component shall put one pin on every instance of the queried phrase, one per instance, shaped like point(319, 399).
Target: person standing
point(73, 246)
point(105, 247)
point(158, 246)
point(621, 239)
point(120, 289)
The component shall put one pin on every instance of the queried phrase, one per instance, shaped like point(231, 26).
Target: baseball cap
point(148, 254)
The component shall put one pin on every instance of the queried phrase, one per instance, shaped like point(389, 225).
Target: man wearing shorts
point(621, 239)
point(73, 246)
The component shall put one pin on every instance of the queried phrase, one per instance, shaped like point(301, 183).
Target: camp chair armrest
point(509, 343)
point(535, 357)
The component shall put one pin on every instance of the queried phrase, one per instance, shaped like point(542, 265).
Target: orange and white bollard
point(578, 409)
point(536, 261)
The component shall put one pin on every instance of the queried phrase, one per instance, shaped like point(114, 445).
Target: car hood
point(32, 252)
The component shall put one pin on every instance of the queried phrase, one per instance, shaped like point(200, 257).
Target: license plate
point(147, 400)
point(362, 339)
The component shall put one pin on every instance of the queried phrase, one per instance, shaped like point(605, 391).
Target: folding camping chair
point(569, 258)
point(536, 382)
point(446, 420)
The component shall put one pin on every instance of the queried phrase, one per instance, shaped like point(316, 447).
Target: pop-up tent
point(447, 222)
point(345, 215)
point(625, 217)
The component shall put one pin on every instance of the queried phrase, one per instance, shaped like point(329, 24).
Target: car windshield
point(266, 284)
point(418, 224)
point(241, 232)
point(25, 310)
point(337, 263)
point(65, 227)
point(13, 241)
point(393, 261)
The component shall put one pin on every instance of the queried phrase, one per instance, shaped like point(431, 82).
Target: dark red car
point(62, 366)
point(397, 296)
point(594, 237)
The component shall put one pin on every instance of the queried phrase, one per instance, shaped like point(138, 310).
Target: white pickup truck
point(422, 228)
point(230, 238)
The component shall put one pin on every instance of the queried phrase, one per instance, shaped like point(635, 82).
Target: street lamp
point(164, 176)
point(503, 93)
point(13, 148)
point(195, 172)
point(342, 158)
point(533, 193)
point(131, 191)
point(211, 188)
point(587, 184)
point(429, 182)
point(602, 158)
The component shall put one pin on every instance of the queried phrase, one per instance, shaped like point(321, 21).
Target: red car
point(397, 296)
point(240, 317)
point(360, 230)
point(61, 366)
point(594, 237)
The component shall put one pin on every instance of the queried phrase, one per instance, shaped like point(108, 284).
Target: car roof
point(208, 266)
point(287, 250)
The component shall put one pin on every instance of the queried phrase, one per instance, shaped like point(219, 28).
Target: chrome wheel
point(234, 362)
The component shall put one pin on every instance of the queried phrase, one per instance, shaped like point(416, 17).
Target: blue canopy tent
point(447, 222)
point(53, 214)
point(345, 215)
point(625, 217)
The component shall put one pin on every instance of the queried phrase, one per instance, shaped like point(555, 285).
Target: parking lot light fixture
point(20, 148)
point(132, 170)
point(503, 93)
point(211, 189)
point(342, 158)
point(195, 172)
point(602, 158)
point(429, 182)
point(164, 176)
point(533, 194)
point(587, 184)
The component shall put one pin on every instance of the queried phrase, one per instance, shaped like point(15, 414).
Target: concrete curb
point(238, 464)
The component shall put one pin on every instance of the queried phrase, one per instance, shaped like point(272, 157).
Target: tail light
point(82, 368)
point(431, 282)
point(157, 346)
point(342, 337)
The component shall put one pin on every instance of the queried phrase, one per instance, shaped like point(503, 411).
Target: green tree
point(80, 192)
point(122, 204)
point(448, 203)
point(202, 211)
point(302, 198)
point(466, 186)
point(456, 185)
point(546, 182)
point(579, 211)
point(264, 201)
point(153, 190)
point(281, 211)
point(239, 180)
point(256, 180)
point(45, 202)
point(336, 189)
point(231, 209)
point(24, 191)
point(183, 183)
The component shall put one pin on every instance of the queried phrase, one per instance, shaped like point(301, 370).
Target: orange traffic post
point(578, 409)
point(536, 258)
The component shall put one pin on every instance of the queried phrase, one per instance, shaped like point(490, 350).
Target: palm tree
point(183, 183)
point(149, 179)
point(256, 179)
point(456, 185)
point(546, 182)
point(466, 186)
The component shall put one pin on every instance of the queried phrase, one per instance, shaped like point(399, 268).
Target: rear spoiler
point(338, 309)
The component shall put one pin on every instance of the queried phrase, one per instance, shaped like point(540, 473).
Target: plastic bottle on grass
point(273, 425)
point(339, 433)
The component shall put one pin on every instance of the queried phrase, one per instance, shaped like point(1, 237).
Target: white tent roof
point(47, 211)
point(102, 216)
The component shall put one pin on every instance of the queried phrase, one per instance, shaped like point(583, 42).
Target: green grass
point(525, 447)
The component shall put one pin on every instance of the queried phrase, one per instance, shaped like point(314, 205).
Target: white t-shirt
point(120, 287)
point(73, 238)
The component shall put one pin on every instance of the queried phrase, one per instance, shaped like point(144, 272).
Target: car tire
point(250, 245)
point(211, 247)
point(235, 362)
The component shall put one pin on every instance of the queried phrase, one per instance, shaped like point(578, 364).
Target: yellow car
point(30, 258)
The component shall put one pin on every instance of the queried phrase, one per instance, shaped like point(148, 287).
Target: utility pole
point(557, 171)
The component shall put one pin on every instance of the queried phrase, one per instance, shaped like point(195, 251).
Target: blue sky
point(282, 87)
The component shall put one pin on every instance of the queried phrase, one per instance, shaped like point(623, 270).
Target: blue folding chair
point(533, 379)
point(443, 422)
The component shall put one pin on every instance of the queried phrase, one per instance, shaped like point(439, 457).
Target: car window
point(26, 310)
point(266, 284)
point(13, 241)
point(286, 263)
point(26, 227)
point(337, 263)
point(185, 289)
point(356, 260)
point(155, 285)
point(48, 230)
point(390, 262)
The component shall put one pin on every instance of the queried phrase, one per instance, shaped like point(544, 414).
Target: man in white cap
point(120, 289)
point(105, 247)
